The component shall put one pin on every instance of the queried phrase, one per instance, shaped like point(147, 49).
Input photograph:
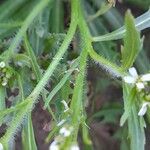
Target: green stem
point(15, 43)
point(36, 69)
point(58, 56)
point(60, 84)
point(103, 9)
point(10, 25)
point(32, 98)
point(141, 22)
point(77, 100)
point(20, 87)
point(112, 68)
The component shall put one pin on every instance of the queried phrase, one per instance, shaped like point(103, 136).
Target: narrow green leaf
point(11, 24)
point(104, 8)
point(32, 98)
point(136, 130)
point(128, 96)
point(60, 84)
point(16, 41)
point(142, 22)
point(28, 138)
point(85, 134)
point(135, 123)
point(9, 7)
point(56, 23)
point(131, 42)
point(2, 98)
point(32, 56)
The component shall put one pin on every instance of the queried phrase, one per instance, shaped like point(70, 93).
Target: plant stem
point(103, 9)
point(16, 41)
point(32, 98)
point(112, 68)
point(77, 100)
point(58, 56)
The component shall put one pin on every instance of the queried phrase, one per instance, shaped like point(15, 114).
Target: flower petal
point(145, 77)
point(133, 72)
point(61, 122)
point(140, 85)
point(129, 79)
point(65, 105)
point(143, 109)
point(1, 146)
point(65, 132)
point(54, 146)
point(74, 147)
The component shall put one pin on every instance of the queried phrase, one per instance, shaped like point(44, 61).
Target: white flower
point(140, 85)
point(61, 122)
point(143, 108)
point(1, 146)
point(65, 132)
point(2, 64)
point(54, 146)
point(4, 83)
point(134, 79)
point(65, 105)
point(74, 147)
point(145, 77)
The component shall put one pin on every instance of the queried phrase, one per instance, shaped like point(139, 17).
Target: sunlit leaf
point(131, 42)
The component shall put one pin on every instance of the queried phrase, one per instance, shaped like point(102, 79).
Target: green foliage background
point(49, 46)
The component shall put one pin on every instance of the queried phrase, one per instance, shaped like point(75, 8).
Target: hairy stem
point(32, 98)
point(16, 41)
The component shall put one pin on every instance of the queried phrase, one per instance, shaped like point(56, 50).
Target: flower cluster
point(55, 146)
point(140, 82)
point(5, 74)
point(65, 131)
point(58, 142)
point(135, 79)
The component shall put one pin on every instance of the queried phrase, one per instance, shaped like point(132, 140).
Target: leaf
point(136, 130)
point(30, 52)
point(28, 138)
point(11, 24)
point(11, 8)
point(135, 123)
point(2, 97)
point(139, 3)
point(22, 60)
point(128, 96)
point(142, 22)
point(97, 27)
point(56, 25)
point(85, 134)
point(60, 84)
point(109, 113)
point(131, 42)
